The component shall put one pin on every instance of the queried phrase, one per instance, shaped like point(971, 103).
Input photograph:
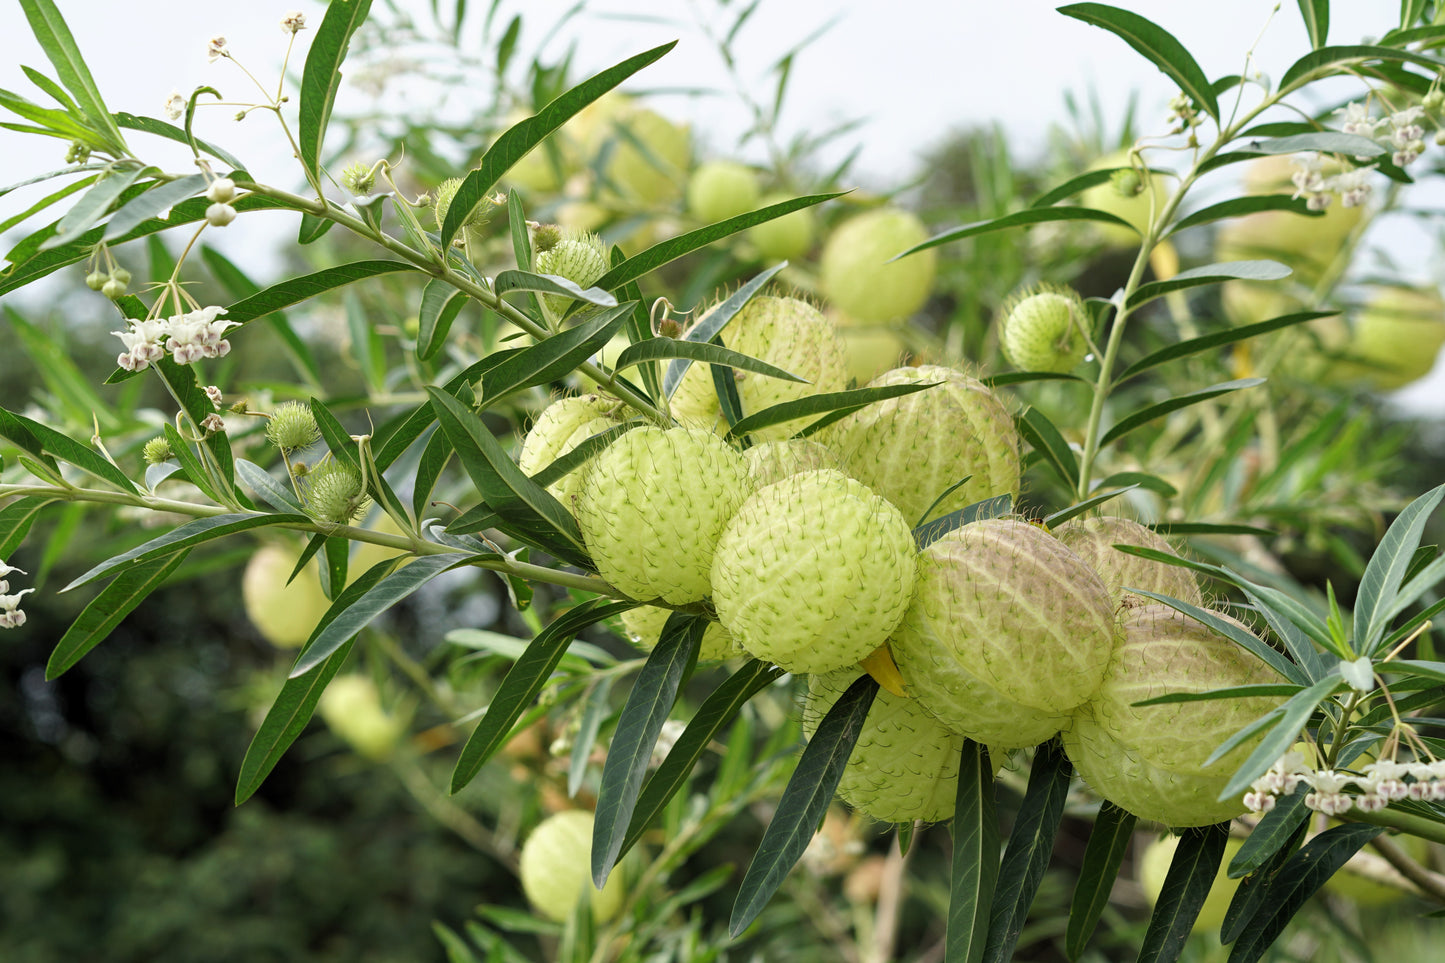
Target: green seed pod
point(644, 629)
point(813, 572)
point(857, 273)
point(554, 869)
point(913, 448)
point(157, 450)
point(772, 461)
point(580, 258)
point(1008, 633)
point(561, 427)
point(334, 492)
point(351, 707)
point(785, 238)
point(652, 507)
point(721, 189)
point(1093, 540)
point(785, 332)
point(292, 427)
point(1043, 329)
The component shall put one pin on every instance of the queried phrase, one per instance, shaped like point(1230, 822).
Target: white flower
point(1357, 120)
point(1328, 781)
point(10, 614)
point(1331, 804)
point(7, 569)
point(212, 423)
point(216, 49)
point(293, 22)
point(197, 334)
point(143, 343)
point(1371, 802)
point(1353, 186)
point(1258, 802)
point(1309, 177)
point(175, 105)
point(214, 393)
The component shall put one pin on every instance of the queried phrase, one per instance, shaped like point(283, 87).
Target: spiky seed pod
point(785, 332)
point(561, 427)
point(1043, 329)
point(580, 257)
point(1093, 540)
point(1121, 775)
point(652, 507)
point(772, 461)
point(644, 629)
point(157, 450)
point(334, 492)
point(813, 572)
point(1162, 651)
point(292, 427)
point(553, 866)
point(911, 449)
point(1008, 632)
point(905, 763)
point(856, 270)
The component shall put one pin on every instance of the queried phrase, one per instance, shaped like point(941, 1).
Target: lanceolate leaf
point(1030, 844)
point(1316, 16)
point(804, 801)
point(647, 708)
point(523, 683)
point(440, 305)
point(518, 140)
point(1274, 830)
point(153, 202)
point(296, 290)
point(926, 534)
point(833, 404)
point(59, 45)
point(1386, 570)
point(15, 520)
point(1210, 274)
point(555, 357)
point(297, 700)
point(709, 327)
point(1304, 69)
point(1186, 886)
point(1156, 44)
point(1044, 438)
point(719, 709)
point(62, 447)
point(1249, 899)
point(1240, 206)
point(1073, 511)
point(1218, 339)
point(1302, 875)
point(1247, 640)
point(552, 284)
point(1146, 415)
point(1081, 182)
point(1038, 215)
point(974, 869)
point(187, 536)
point(654, 349)
point(238, 285)
point(91, 207)
point(321, 77)
point(149, 125)
point(1325, 141)
point(1289, 720)
point(106, 610)
point(1103, 855)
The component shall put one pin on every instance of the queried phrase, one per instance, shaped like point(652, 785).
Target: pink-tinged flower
point(214, 393)
point(216, 49)
point(212, 423)
point(143, 343)
point(10, 615)
point(197, 334)
point(293, 22)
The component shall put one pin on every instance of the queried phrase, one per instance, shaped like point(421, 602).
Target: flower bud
point(120, 274)
point(222, 191)
point(95, 280)
point(113, 288)
point(219, 215)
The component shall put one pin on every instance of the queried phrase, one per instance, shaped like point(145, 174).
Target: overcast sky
point(911, 69)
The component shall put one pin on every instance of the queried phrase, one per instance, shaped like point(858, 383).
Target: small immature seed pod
point(721, 189)
point(285, 613)
point(157, 450)
point(292, 427)
point(785, 238)
point(1093, 540)
point(554, 869)
point(334, 492)
point(813, 572)
point(652, 507)
point(1008, 633)
point(578, 257)
point(351, 707)
point(1043, 330)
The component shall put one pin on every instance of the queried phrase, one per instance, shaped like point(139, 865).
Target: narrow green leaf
point(312, 228)
point(1023, 218)
point(1302, 875)
point(974, 869)
point(321, 77)
point(152, 203)
point(266, 488)
point(508, 281)
point(656, 349)
point(109, 608)
point(1250, 898)
point(190, 534)
point(594, 707)
point(62, 447)
point(1146, 415)
point(159, 128)
point(524, 681)
point(1275, 829)
point(1316, 16)
point(1305, 69)
point(1141, 479)
point(238, 285)
point(433, 461)
point(1228, 692)
point(646, 709)
point(584, 452)
point(1049, 442)
point(297, 699)
point(1186, 886)
point(59, 45)
point(1024, 377)
point(440, 305)
point(93, 206)
point(665, 252)
point(16, 518)
point(1417, 583)
point(1103, 855)
point(1030, 844)
point(190, 462)
point(804, 801)
point(930, 532)
point(295, 290)
point(719, 709)
point(1324, 141)
point(711, 326)
point(516, 141)
point(1385, 572)
point(1209, 274)
point(1184, 349)
point(1093, 501)
point(1156, 44)
point(1240, 206)
point(556, 357)
point(833, 404)
point(46, 201)
point(1291, 718)
point(1231, 630)
point(1082, 182)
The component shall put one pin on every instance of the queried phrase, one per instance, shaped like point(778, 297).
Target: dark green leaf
point(1209, 274)
point(1024, 377)
point(1289, 721)
point(974, 869)
point(524, 681)
point(1304, 70)
point(1156, 44)
point(720, 708)
point(1250, 898)
point(1049, 442)
point(59, 45)
point(1273, 831)
point(930, 532)
point(804, 801)
point(1187, 885)
point(152, 203)
point(1030, 844)
point(1082, 182)
point(434, 458)
point(654, 349)
point(1103, 855)
point(440, 305)
point(1073, 511)
point(109, 608)
point(647, 708)
point(1146, 415)
point(1143, 480)
point(1316, 16)
point(321, 77)
point(313, 228)
point(556, 357)
point(1025, 218)
point(190, 534)
point(1184, 349)
point(834, 404)
point(1232, 630)
point(1210, 528)
point(584, 452)
point(711, 326)
point(1385, 572)
point(93, 206)
point(673, 248)
point(20, 429)
point(15, 520)
point(296, 290)
point(508, 281)
point(1229, 692)
point(518, 140)
point(160, 128)
point(1302, 875)
point(238, 285)
point(594, 707)
point(1240, 206)
point(297, 699)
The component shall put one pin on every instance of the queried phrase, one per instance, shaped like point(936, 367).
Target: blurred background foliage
point(118, 837)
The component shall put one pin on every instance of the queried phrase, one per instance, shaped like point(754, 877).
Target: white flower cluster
point(1376, 786)
point(1401, 132)
point(188, 337)
point(10, 614)
point(1309, 178)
